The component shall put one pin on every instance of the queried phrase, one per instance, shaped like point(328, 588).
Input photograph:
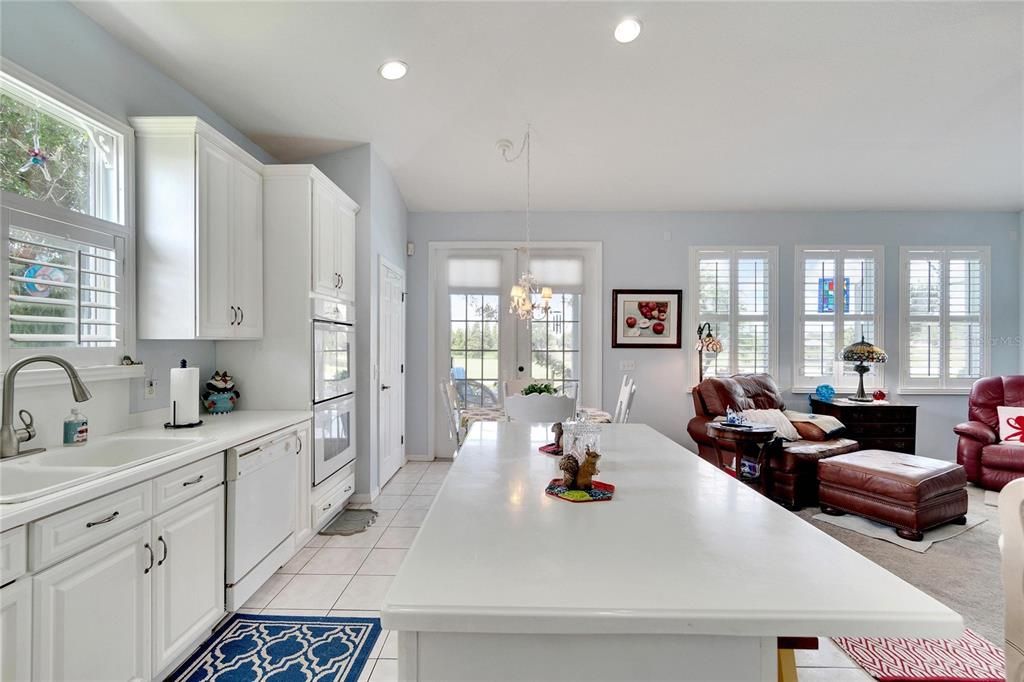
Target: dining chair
point(450, 398)
point(514, 386)
point(1011, 543)
point(624, 402)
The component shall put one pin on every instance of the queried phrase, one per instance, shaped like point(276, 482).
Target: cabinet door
point(247, 250)
point(346, 259)
point(188, 580)
point(16, 631)
point(325, 243)
point(303, 519)
point(92, 613)
point(214, 168)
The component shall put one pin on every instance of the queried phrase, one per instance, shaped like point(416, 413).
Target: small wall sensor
point(410, 248)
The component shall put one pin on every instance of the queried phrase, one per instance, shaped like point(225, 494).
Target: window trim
point(877, 374)
point(944, 384)
point(773, 302)
point(124, 229)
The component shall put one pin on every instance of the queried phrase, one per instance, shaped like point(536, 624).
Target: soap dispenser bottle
point(76, 428)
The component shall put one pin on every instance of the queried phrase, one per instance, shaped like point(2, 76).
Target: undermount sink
point(25, 478)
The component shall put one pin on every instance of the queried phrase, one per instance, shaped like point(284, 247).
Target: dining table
point(684, 573)
point(496, 413)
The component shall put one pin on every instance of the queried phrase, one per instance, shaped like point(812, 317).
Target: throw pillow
point(1011, 425)
point(783, 427)
point(810, 431)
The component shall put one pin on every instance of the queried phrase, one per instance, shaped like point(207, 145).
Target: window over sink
point(67, 226)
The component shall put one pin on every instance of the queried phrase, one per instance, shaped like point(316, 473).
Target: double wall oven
point(334, 385)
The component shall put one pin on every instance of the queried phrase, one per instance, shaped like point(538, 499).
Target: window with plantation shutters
point(735, 290)
point(65, 289)
point(838, 301)
point(944, 311)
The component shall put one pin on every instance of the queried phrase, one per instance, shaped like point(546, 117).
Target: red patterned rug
point(971, 658)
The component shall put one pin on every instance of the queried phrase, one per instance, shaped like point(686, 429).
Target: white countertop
point(682, 548)
point(218, 433)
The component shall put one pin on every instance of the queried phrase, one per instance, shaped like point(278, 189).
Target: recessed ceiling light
point(392, 70)
point(627, 30)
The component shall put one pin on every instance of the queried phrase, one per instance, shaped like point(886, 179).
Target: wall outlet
point(150, 391)
point(627, 365)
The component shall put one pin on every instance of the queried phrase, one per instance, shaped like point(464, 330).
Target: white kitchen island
point(685, 575)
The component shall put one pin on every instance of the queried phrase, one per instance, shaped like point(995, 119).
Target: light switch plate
point(627, 365)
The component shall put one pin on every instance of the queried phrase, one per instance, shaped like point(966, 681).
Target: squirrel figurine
point(576, 476)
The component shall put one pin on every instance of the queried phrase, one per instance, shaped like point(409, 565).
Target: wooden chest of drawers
point(876, 427)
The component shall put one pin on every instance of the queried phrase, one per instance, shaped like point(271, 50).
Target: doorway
point(391, 386)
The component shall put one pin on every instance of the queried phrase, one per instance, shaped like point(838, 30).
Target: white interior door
point(391, 342)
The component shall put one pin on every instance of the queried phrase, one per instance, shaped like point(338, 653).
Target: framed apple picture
point(646, 318)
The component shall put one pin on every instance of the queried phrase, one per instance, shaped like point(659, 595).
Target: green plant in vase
point(539, 389)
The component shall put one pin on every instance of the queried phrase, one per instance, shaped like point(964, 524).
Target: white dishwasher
point(261, 483)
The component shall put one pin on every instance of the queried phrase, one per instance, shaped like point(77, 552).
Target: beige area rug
point(873, 529)
point(963, 572)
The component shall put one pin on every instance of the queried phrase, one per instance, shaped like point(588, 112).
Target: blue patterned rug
point(250, 648)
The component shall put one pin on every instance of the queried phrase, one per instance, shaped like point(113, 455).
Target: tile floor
point(349, 575)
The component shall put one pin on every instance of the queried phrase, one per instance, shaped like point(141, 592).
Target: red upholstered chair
point(988, 462)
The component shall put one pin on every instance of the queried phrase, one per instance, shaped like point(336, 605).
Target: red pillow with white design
point(1011, 425)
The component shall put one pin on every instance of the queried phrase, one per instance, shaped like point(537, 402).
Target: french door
point(479, 345)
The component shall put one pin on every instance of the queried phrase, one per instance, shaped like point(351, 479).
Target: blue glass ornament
point(825, 392)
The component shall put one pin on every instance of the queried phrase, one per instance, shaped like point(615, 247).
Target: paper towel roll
point(184, 395)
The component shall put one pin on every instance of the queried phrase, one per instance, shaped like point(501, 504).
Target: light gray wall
point(381, 231)
point(1020, 337)
point(652, 249)
point(58, 43)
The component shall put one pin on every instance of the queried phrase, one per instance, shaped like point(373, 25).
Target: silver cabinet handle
point(341, 278)
point(151, 558)
point(347, 488)
point(161, 541)
point(327, 507)
point(241, 315)
point(234, 315)
point(102, 521)
point(193, 481)
point(299, 451)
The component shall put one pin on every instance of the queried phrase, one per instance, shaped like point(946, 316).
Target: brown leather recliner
point(793, 467)
point(988, 462)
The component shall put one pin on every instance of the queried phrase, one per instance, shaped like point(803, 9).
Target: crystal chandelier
point(523, 292)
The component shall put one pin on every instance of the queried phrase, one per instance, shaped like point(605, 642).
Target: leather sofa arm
point(979, 431)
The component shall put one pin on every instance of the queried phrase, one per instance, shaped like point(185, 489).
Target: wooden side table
point(750, 444)
point(876, 426)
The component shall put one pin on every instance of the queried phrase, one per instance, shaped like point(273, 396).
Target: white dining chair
point(450, 400)
point(1011, 543)
point(514, 386)
point(624, 403)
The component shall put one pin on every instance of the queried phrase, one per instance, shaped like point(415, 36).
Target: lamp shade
point(862, 351)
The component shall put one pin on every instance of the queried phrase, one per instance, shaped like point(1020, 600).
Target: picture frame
point(647, 318)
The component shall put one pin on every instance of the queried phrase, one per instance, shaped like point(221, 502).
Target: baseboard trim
point(419, 458)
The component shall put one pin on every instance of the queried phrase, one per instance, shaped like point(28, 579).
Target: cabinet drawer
point(13, 554)
point(333, 501)
point(906, 445)
point(189, 481)
point(68, 532)
point(882, 430)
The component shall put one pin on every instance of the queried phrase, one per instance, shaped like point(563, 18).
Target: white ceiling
point(739, 106)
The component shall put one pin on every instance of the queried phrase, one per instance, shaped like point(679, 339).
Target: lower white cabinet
point(16, 631)
point(188, 580)
point(129, 608)
point(93, 612)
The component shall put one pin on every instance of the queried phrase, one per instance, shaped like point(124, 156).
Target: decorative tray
point(601, 492)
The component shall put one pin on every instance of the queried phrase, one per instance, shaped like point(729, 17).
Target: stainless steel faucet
point(12, 438)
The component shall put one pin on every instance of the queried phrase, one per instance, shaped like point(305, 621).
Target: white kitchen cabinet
point(200, 233)
point(303, 519)
point(92, 613)
point(16, 631)
point(188, 580)
point(334, 229)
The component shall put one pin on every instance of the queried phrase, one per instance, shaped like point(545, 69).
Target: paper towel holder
point(174, 414)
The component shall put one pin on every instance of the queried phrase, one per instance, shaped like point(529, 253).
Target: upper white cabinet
point(333, 216)
point(200, 232)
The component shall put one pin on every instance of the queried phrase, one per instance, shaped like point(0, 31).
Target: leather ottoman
point(908, 492)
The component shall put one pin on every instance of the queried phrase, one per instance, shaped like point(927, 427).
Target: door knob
point(384, 387)
point(521, 368)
